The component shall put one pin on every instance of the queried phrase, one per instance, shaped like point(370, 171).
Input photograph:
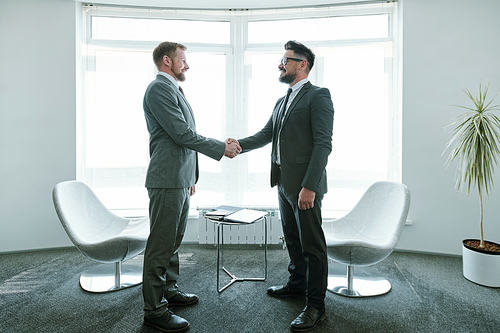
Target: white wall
point(37, 119)
point(445, 44)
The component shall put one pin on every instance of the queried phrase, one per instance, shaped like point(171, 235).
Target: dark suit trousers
point(306, 246)
point(168, 213)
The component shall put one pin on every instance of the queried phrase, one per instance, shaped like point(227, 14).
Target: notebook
point(245, 216)
point(218, 214)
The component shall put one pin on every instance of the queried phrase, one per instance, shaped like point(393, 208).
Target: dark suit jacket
point(305, 141)
point(173, 141)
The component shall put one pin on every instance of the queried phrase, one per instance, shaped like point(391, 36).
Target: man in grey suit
point(300, 129)
point(170, 180)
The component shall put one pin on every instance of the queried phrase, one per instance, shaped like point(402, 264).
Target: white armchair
point(365, 236)
point(101, 236)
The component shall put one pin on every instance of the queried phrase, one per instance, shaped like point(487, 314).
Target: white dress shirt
point(170, 77)
point(295, 90)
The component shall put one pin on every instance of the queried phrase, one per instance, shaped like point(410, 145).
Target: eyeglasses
point(285, 60)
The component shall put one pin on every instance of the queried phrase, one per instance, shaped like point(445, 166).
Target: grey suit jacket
point(173, 141)
point(305, 141)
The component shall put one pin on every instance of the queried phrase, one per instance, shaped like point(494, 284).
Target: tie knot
point(182, 91)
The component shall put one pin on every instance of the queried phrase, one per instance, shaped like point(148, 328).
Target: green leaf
point(475, 143)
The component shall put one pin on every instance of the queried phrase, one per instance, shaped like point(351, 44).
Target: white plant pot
point(481, 267)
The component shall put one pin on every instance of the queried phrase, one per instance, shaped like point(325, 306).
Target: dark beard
point(288, 78)
point(180, 77)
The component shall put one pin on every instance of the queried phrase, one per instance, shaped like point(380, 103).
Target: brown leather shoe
point(182, 299)
point(168, 322)
point(308, 319)
point(284, 291)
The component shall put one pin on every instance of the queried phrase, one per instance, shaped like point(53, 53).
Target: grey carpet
point(39, 292)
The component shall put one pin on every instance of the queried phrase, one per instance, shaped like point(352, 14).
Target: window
point(232, 86)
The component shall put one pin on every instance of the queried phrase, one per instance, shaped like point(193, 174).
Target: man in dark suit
point(170, 180)
point(300, 129)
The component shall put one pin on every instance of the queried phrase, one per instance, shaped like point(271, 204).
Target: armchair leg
point(112, 276)
point(118, 273)
point(365, 283)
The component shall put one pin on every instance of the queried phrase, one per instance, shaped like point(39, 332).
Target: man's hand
point(306, 199)
point(231, 140)
point(192, 191)
point(232, 148)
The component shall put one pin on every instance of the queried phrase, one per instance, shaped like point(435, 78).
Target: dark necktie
point(277, 128)
point(182, 91)
point(283, 109)
point(281, 114)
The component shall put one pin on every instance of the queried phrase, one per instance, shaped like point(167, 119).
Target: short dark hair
point(302, 51)
point(166, 49)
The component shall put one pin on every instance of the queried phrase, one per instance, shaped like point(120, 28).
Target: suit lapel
point(180, 96)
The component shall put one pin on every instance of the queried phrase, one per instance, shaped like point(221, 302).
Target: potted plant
point(476, 139)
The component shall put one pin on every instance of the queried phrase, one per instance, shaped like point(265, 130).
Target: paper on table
point(219, 212)
point(245, 216)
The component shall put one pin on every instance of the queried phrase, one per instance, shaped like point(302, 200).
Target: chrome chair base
point(365, 283)
point(112, 276)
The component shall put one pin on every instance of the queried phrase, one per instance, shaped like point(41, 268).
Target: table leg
point(220, 258)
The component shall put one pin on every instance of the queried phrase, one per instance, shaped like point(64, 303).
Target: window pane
point(117, 28)
point(116, 154)
point(264, 89)
point(319, 29)
point(358, 83)
point(205, 89)
point(115, 122)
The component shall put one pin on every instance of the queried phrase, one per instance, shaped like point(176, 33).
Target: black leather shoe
point(182, 299)
point(308, 319)
point(168, 322)
point(284, 291)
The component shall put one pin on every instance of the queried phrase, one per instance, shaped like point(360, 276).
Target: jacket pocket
point(302, 159)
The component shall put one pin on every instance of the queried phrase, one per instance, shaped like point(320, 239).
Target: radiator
point(242, 234)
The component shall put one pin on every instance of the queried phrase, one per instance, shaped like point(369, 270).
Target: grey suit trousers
point(168, 213)
point(306, 247)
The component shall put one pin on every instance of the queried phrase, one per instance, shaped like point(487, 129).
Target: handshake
point(233, 148)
